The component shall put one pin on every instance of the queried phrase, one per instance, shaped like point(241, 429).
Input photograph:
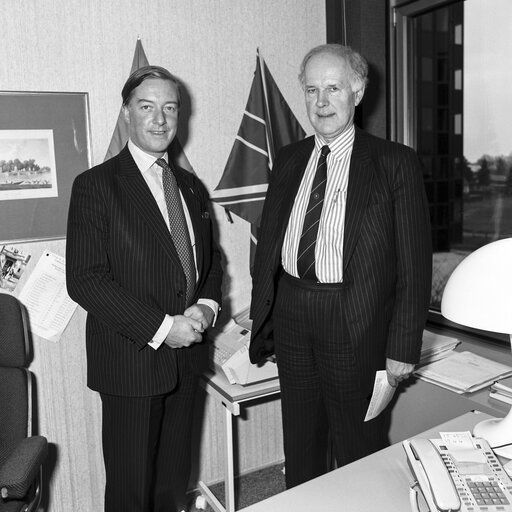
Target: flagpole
point(268, 123)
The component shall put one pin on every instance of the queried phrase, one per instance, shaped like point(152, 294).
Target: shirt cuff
point(213, 305)
point(162, 332)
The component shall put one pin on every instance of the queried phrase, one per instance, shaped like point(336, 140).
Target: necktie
point(307, 243)
point(178, 226)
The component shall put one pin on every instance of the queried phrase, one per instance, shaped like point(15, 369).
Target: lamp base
point(497, 432)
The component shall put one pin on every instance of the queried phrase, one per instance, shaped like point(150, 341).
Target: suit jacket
point(123, 269)
point(387, 253)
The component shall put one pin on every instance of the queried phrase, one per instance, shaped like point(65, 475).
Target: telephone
point(465, 479)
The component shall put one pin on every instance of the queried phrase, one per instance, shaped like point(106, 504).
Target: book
point(502, 398)
point(463, 372)
point(503, 386)
point(436, 346)
point(502, 390)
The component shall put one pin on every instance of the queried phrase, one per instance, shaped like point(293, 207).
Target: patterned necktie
point(178, 226)
point(307, 243)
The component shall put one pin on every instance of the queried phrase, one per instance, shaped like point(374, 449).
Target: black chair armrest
point(19, 471)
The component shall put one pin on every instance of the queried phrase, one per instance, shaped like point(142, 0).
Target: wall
point(70, 45)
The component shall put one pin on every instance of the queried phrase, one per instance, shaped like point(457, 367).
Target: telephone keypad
point(486, 494)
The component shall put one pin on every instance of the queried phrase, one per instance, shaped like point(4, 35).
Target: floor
point(253, 487)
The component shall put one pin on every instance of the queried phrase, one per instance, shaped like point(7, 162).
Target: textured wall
point(71, 45)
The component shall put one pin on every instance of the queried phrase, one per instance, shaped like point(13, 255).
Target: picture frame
point(44, 145)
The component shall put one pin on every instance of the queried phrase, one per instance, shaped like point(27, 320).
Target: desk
point(421, 405)
point(378, 482)
point(231, 396)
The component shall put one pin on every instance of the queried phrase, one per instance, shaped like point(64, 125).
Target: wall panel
point(71, 45)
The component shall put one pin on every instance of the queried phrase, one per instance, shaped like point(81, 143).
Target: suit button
point(180, 293)
point(267, 302)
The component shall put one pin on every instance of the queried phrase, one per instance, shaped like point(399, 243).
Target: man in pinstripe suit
point(146, 315)
point(352, 299)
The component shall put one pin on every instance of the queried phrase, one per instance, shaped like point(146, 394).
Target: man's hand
point(184, 332)
point(397, 371)
point(202, 313)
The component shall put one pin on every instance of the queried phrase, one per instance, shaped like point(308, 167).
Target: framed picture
point(44, 145)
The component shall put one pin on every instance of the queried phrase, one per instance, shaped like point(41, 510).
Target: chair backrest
point(14, 377)
point(13, 333)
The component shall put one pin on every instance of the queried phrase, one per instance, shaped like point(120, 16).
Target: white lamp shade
point(478, 294)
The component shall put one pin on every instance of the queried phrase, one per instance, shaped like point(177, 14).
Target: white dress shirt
point(152, 174)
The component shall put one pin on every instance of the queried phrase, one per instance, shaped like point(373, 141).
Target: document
point(463, 372)
point(46, 299)
point(229, 353)
point(382, 394)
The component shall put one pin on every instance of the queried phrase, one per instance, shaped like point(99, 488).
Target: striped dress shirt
point(329, 244)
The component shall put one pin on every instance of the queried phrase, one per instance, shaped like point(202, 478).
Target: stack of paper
point(463, 372)
point(229, 353)
point(436, 346)
point(502, 390)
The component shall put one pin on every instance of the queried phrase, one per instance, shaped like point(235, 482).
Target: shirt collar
point(340, 144)
point(143, 160)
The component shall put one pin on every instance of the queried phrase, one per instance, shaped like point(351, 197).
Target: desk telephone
point(465, 479)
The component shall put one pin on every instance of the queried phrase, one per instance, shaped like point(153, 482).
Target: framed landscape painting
point(44, 145)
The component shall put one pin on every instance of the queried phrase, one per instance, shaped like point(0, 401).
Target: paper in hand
point(382, 394)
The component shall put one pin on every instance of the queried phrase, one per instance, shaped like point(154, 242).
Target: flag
point(120, 135)
point(267, 125)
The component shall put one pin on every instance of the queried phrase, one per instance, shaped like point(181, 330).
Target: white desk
point(231, 396)
point(378, 482)
point(419, 406)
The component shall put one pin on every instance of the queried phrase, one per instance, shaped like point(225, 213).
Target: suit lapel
point(142, 200)
point(359, 185)
point(294, 170)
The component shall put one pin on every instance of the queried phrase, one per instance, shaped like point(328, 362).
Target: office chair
point(21, 455)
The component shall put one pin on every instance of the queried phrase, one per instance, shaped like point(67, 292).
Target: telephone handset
point(433, 476)
point(466, 479)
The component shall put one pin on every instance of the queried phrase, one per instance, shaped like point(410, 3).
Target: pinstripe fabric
point(132, 454)
point(387, 257)
point(123, 269)
point(319, 382)
point(329, 244)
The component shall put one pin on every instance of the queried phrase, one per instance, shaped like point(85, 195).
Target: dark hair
point(141, 74)
point(356, 61)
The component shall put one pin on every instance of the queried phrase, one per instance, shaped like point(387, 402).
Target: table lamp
point(478, 294)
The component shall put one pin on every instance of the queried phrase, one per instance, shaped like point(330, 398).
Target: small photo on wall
point(12, 265)
point(27, 164)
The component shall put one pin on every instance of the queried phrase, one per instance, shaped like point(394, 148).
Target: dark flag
point(267, 125)
point(120, 135)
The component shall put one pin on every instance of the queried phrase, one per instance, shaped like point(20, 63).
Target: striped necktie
point(178, 226)
point(307, 243)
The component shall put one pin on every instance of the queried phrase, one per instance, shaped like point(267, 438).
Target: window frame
point(402, 111)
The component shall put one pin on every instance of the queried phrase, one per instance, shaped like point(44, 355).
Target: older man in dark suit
point(142, 262)
point(342, 275)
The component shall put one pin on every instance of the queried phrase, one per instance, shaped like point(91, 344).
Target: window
point(449, 98)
